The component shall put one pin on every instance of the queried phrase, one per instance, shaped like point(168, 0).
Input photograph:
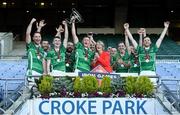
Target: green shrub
point(106, 85)
point(117, 84)
point(89, 84)
point(130, 85)
point(38, 81)
point(63, 83)
point(144, 86)
point(77, 85)
point(46, 85)
point(139, 87)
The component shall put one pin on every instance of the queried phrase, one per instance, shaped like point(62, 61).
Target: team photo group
point(62, 55)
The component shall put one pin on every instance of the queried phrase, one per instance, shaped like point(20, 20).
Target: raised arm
point(143, 30)
point(73, 30)
point(66, 34)
point(48, 66)
point(28, 31)
point(40, 25)
point(126, 27)
point(159, 41)
point(90, 35)
point(127, 42)
point(44, 67)
point(140, 36)
point(59, 31)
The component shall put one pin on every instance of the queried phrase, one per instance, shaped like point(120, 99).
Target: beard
point(45, 48)
point(69, 49)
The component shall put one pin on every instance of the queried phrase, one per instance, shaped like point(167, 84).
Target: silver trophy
point(77, 16)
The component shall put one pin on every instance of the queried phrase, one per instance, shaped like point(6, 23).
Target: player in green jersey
point(56, 56)
point(135, 67)
point(83, 55)
point(147, 51)
point(34, 50)
point(121, 62)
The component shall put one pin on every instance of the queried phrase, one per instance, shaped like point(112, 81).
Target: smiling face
point(57, 42)
point(86, 42)
point(70, 46)
point(92, 47)
point(99, 46)
point(132, 49)
point(45, 45)
point(37, 38)
point(113, 51)
point(121, 46)
point(147, 42)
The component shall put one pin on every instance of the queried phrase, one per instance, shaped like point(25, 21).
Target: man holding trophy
point(83, 55)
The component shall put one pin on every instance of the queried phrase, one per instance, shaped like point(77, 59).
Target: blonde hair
point(101, 43)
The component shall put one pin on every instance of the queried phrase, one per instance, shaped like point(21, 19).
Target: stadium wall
point(112, 30)
point(6, 41)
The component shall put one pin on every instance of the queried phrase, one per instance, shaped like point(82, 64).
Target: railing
point(172, 98)
point(168, 57)
point(6, 39)
point(8, 100)
point(13, 56)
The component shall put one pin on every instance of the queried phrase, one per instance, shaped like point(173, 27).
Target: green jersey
point(120, 68)
point(134, 61)
point(35, 56)
point(70, 60)
point(147, 58)
point(57, 58)
point(83, 57)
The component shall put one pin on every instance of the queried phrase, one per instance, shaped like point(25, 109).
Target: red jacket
point(104, 61)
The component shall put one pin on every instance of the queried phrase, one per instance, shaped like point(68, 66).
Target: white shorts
point(147, 73)
point(57, 73)
point(33, 73)
point(77, 71)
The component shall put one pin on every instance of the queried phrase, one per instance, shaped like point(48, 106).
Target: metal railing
point(172, 98)
point(167, 57)
point(8, 100)
point(13, 56)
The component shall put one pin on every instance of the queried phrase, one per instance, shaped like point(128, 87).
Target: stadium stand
point(12, 79)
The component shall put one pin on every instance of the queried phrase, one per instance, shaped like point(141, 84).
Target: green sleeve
point(138, 48)
point(78, 45)
point(155, 48)
point(92, 56)
point(63, 49)
point(29, 45)
point(114, 58)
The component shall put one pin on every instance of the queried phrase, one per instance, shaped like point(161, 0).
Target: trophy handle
point(77, 15)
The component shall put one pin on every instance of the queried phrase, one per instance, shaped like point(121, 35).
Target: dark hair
point(37, 32)
point(146, 37)
point(57, 37)
point(121, 42)
point(45, 41)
